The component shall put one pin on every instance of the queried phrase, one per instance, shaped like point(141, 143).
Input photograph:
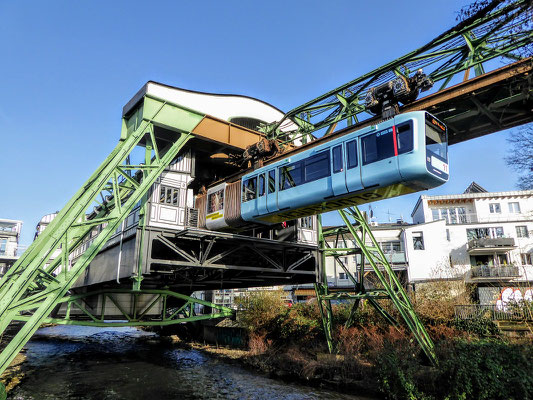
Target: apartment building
point(9, 243)
point(484, 238)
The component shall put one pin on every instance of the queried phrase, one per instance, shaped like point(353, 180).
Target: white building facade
point(9, 243)
point(483, 238)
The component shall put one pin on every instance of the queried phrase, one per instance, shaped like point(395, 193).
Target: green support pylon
point(368, 248)
point(40, 279)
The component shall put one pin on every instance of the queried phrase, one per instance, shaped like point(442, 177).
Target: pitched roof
point(475, 188)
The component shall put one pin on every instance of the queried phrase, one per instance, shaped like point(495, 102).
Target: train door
point(261, 195)
point(338, 170)
point(353, 169)
point(379, 166)
point(271, 191)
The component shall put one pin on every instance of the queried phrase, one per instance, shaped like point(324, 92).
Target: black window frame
point(261, 185)
point(271, 181)
point(409, 133)
point(350, 162)
point(337, 159)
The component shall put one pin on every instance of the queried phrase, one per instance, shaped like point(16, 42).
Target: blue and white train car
point(402, 155)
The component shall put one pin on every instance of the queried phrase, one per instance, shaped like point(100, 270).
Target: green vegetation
point(475, 361)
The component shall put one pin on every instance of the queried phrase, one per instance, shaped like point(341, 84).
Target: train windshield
point(436, 137)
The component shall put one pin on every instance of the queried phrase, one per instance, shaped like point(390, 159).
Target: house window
point(418, 241)
point(526, 258)
point(521, 232)
point(494, 208)
point(514, 207)
point(343, 261)
point(448, 235)
point(3, 245)
point(391, 247)
point(168, 195)
point(343, 276)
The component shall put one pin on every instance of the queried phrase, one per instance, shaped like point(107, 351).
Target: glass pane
point(272, 181)
point(291, 175)
point(337, 158)
point(168, 198)
point(175, 196)
point(351, 154)
point(162, 195)
point(453, 217)
point(435, 214)
point(404, 135)
point(249, 189)
point(378, 146)
point(261, 185)
point(317, 167)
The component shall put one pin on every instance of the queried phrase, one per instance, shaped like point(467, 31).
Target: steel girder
point(498, 31)
point(368, 248)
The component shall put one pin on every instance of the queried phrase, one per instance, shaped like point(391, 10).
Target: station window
point(306, 222)
point(272, 181)
point(404, 136)
point(261, 187)
point(249, 189)
point(215, 201)
point(290, 175)
point(337, 158)
point(377, 146)
point(351, 154)
point(521, 232)
point(168, 195)
point(316, 166)
point(418, 240)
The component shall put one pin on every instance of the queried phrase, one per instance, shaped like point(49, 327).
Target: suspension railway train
point(405, 154)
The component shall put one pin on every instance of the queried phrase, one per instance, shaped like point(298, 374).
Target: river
point(71, 362)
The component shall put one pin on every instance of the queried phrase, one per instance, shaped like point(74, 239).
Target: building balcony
point(489, 245)
point(487, 271)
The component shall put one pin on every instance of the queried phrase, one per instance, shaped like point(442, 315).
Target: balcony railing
point(490, 243)
point(473, 218)
point(487, 271)
point(510, 312)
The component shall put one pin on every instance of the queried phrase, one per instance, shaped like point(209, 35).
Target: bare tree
point(520, 156)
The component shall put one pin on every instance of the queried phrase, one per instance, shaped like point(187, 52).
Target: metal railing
point(490, 243)
point(487, 271)
point(473, 218)
point(509, 312)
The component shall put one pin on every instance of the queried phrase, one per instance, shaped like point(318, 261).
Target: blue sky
point(68, 68)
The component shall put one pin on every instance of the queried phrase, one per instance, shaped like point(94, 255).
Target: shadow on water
point(68, 362)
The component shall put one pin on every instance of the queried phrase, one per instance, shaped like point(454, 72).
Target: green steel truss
point(138, 313)
point(42, 276)
point(370, 252)
point(501, 30)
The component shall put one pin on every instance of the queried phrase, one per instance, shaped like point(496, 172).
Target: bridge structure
point(119, 254)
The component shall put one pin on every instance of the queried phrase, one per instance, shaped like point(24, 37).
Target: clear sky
point(68, 67)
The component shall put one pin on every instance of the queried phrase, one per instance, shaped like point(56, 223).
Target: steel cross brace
point(392, 288)
point(138, 316)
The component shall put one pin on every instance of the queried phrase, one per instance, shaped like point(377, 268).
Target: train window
point(290, 175)
point(272, 181)
point(378, 146)
point(351, 154)
point(249, 189)
point(261, 188)
point(317, 166)
point(404, 136)
point(337, 158)
point(215, 201)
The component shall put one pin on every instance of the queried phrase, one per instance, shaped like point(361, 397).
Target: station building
point(10, 248)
